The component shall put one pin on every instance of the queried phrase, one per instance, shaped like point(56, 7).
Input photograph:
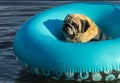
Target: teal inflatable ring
point(39, 44)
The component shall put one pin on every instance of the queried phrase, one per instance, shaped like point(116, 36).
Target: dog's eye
point(74, 25)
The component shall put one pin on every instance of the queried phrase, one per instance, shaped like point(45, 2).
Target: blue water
point(12, 15)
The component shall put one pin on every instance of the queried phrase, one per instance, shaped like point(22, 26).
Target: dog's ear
point(85, 25)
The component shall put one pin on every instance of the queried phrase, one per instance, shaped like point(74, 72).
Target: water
point(12, 15)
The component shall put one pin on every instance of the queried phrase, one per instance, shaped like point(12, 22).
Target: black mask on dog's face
point(71, 28)
point(68, 30)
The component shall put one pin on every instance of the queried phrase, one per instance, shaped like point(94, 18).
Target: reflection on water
point(12, 15)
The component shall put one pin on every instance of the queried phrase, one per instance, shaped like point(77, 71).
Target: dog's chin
point(70, 38)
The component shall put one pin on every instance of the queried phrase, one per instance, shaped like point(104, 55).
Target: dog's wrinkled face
point(74, 25)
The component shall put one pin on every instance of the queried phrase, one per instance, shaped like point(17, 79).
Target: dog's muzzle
point(69, 30)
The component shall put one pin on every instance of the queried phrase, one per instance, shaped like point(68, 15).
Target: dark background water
point(12, 15)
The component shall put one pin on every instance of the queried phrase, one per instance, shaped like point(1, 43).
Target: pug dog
point(80, 28)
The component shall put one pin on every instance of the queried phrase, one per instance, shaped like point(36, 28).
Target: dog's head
point(74, 24)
